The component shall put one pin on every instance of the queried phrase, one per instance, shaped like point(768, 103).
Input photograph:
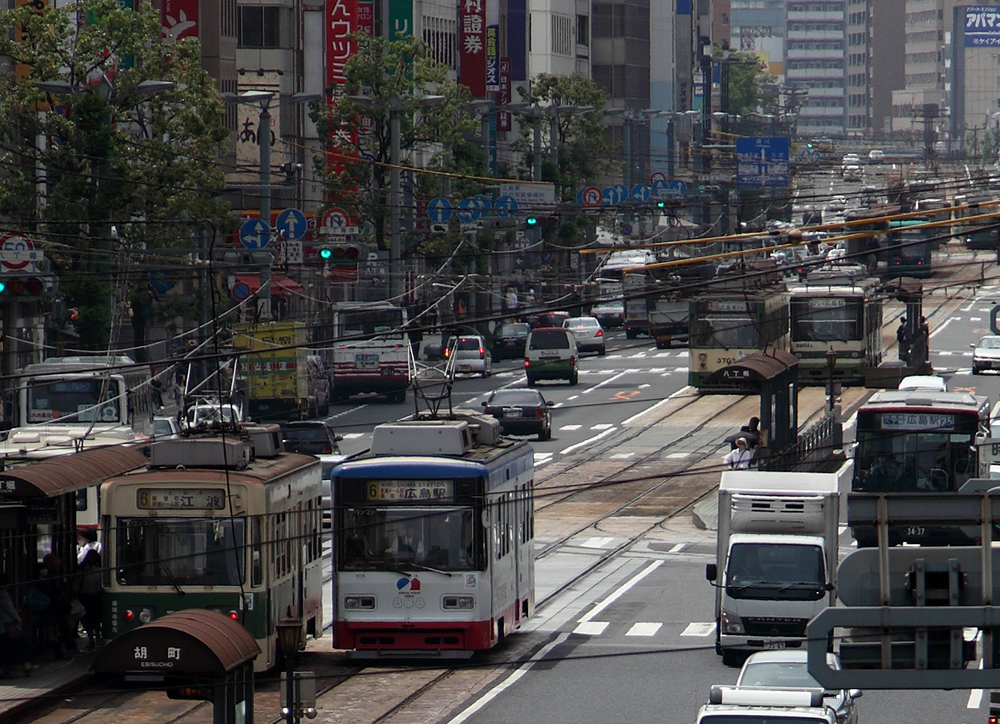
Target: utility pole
point(395, 261)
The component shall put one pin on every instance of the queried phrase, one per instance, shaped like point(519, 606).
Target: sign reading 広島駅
point(528, 194)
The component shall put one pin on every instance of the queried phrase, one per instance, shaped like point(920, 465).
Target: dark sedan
point(609, 314)
point(313, 437)
point(521, 412)
point(509, 341)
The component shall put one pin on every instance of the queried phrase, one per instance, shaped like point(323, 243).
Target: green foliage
point(748, 84)
point(581, 138)
point(112, 156)
point(394, 75)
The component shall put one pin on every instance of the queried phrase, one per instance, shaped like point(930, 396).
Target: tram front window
point(68, 401)
point(917, 461)
point(373, 539)
point(729, 332)
point(826, 320)
point(180, 551)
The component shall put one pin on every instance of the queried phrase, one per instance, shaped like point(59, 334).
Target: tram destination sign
point(410, 491)
point(180, 499)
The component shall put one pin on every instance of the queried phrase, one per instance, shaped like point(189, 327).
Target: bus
point(908, 248)
point(67, 404)
point(433, 539)
point(833, 315)
point(919, 440)
point(725, 327)
point(212, 524)
point(370, 351)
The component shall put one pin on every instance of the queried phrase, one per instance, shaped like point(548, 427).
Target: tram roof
point(260, 471)
point(69, 473)
point(414, 466)
point(894, 399)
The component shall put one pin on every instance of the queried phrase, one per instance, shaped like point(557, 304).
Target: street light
point(395, 103)
point(289, 631)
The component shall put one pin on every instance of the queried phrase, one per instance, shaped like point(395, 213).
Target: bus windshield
point(180, 552)
point(913, 460)
point(371, 321)
point(822, 319)
point(73, 401)
point(723, 332)
point(445, 539)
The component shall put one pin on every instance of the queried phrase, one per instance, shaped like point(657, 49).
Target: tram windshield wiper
point(422, 567)
point(171, 577)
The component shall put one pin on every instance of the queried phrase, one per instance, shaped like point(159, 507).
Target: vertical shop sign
point(400, 18)
point(341, 22)
point(366, 16)
point(503, 95)
point(472, 46)
point(179, 18)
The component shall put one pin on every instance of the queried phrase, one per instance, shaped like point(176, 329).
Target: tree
point(394, 76)
point(584, 151)
point(750, 85)
point(120, 169)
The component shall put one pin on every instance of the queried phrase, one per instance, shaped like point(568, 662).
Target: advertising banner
point(472, 46)
point(492, 58)
point(179, 18)
point(400, 18)
point(366, 16)
point(341, 23)
point(982, 26)
point(517, 38)
point(503, 95)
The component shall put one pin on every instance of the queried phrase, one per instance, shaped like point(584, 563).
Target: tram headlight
point(359, 603)
point(145, 615)
point(458, 603)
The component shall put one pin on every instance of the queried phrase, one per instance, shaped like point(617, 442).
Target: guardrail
point(812, 451)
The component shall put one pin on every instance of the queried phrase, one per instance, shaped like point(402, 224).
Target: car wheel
point(544, 434)
point(487, 371)
point(574, 379)
point(975, 370)
point(602, 351)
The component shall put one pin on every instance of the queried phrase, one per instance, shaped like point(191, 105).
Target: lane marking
point(591, 628)
point(939, 329)
point(353, 435)
point(589, 441)
point(604, 382)
point(510, 680)
point(679, 455)
point(602, 426)
point(348, 412)
point(699, 629)
point(622, 590)
point(678, 548)
point(658, 405)
point(570, 428)
point(622, 456)
point(596, 542)
point(644, 628)
point(571, 397)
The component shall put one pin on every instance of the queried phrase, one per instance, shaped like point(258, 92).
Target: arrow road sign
point(255, 234)
point(439, 210)
point(640, 193)
point(620, 193)
point(291, 224)
point(468, 211)
point(591, 196)
point(505, 206)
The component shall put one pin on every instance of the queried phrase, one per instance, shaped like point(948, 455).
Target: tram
point(433, 539)
point(839, 315)
point(67, 404)
point(908, 249)
point(920, 440)
point(727, 326)
point(228, 524)
point(373, 356)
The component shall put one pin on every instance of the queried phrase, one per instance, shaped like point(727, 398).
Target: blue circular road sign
point(240, 291)
point(468, 211)
point(291, 224)
point(640, 193)
point(255, 234)
point(439, 210)
point(505, 206)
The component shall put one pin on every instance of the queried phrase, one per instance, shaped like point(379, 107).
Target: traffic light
point(340, 253)
point(661, 204)
point(531, 221)
point(27, 286)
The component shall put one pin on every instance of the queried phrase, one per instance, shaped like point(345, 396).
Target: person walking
point(89, 594)
point(739, 459)
point(13, 643)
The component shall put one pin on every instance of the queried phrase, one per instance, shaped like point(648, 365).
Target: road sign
point(291, 224)
point(657, 176)
point(668, 189)
point(640, 193)
point(468, 211)
point(15, 251)
point(336, 221)
point(530, 194)
point(505, 206)
point(608, 196)
point(620, 193)
point(482, 203)
point(240, 291)
point(294, 253)
point(591, 196)
point(255, 234)
point(160, 281)
point(762, 162)
point(439, 210)
point(627, 229)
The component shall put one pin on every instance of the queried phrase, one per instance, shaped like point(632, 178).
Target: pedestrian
point(53, 607)
point(88, 593)
point(739, 459)
point(86, 541)
point(14, 645)
point(903, 341)
point(752, 430)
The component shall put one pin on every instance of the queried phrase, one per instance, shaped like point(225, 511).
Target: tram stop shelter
point(196, 654)
point(774, 376)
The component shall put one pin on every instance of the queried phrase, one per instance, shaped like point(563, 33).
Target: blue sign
point(468, 211)
point(240, 291)
point(627, 229)
point(255, 234)
point(640, 193)
point(160, 282)
point(608, 196)
point(439, 210)
point(484, 205)
point(982, 26)
point(669, 189)
point(621, 193)
point(762, 162)
point(505, 206)
point(291, 224)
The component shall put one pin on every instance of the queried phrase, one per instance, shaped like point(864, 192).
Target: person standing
point(89, 594)
point(13, 643)
point(739, 459)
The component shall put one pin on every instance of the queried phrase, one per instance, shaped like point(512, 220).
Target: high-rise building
point(815, 59)
point(875, 57)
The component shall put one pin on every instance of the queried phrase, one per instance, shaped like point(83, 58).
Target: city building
point(875, 65)
point(815, 59)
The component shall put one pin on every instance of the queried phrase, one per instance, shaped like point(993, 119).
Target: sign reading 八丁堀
point(762, 162)
point(526, 194)
point(982, 26)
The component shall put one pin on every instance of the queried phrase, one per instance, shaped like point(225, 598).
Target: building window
point(562, 35)
point(582, 30)
point(259, 26)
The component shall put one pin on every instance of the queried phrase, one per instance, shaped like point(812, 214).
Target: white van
point(551, 354)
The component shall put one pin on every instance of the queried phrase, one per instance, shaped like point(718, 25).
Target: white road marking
point(604, 382)
point(939, 329)
point(509, 681)
point(974, 319)
point(699, 629)
point(602, 426)
point(622, 590)
point(347, 412)
point(681, 369)
point(622, 456)
point(642, 387)
point(644, 628)
point(679, 455)
point(945, 354)
point(657, 370)
point(570, 428)
point(661, 403)
point(596, 542)
point(678, 548)
point(571, 397)
point(353, 435)
point(637, 354)
point(588, 441)
point(591, 628)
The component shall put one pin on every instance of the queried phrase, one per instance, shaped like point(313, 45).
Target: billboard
point(472, 46)
point(982, 26)
point(762, 162)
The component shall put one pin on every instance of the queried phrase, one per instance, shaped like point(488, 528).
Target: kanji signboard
point(472, 46)
point(762, 162)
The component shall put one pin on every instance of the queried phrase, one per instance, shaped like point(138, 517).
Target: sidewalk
point(51, 677)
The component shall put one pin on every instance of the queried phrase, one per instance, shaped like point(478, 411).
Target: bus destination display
point(928, 421)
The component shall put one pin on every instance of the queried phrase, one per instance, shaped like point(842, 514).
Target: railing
point(812, 450)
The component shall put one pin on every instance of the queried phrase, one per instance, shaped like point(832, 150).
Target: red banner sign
point(472, 46)
point(503, 95)
point(341, 23)
point(366, 16)
point(179, 18)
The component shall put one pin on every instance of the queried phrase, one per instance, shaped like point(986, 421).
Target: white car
point(850, 159)
point(986, 354)
point(788, 669)
point(876, 155)
point(588, 332)
point(933, 383)
point(853, 173)
point(472, 356)
point(166, 428)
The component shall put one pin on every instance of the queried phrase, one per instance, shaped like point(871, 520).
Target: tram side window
point(256, 561)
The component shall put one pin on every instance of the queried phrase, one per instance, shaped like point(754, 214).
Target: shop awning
point(281, 286)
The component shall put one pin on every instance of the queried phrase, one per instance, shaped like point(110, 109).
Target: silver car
point(588, 332)
point(472, 356)
point(788, 669)
point(986, 354)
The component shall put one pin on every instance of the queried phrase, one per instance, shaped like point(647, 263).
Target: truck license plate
point(771, 644)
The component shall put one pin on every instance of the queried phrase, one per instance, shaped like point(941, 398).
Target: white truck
point(776, 557)
point(760, 705)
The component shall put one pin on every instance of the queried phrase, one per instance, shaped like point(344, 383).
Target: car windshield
point(306, 434)
point(785, 674)
point(516, 397)
point(162, 427)
point(549, 339)
point(513, 330)
point(989, 343)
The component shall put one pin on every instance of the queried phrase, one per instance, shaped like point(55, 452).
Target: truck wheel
point(399, 396)
point(631, 334)
point(731, 658)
